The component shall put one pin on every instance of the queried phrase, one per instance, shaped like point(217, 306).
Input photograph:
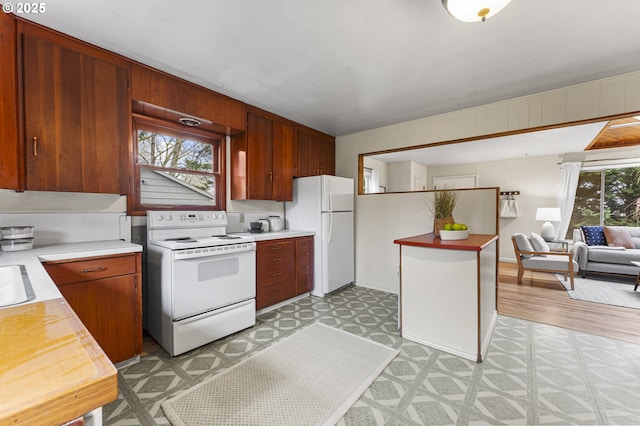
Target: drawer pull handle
point(35, 146)
point(277, 274)
point(276, 259)
point(98, 269)
point(275, 292)
point(276, 248)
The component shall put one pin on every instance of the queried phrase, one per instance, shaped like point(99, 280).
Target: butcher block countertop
point(475, 242)
point(51, 370)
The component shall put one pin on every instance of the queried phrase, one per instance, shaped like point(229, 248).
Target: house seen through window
point(176, 168)
point(608, 196)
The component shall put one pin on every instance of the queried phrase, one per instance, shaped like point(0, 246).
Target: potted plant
point(444, 201)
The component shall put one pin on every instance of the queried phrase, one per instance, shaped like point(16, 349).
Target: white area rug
point(602, 291)
point(310, 378)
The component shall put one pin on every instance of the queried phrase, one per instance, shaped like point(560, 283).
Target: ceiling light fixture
point(188, 121)
point(474, 10)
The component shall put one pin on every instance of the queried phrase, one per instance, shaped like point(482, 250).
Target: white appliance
point(201, 282)
point(324, 204)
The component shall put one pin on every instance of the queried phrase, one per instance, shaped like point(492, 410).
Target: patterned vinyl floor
point(533, 373)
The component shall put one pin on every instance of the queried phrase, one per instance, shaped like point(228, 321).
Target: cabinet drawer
point(304, 277)
point(93, 269)
point(273, 249)
point(274, 293)
point(304, 247)
point(269, 274)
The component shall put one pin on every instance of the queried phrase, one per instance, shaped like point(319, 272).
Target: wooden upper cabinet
point(262, 160)
point(9, 140)
point(316, 153)
point(284, 144)
point(77, 115)
point(155, 92)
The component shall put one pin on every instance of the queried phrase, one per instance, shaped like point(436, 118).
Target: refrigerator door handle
point(330, 228)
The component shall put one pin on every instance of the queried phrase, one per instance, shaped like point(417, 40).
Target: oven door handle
point(213, 312)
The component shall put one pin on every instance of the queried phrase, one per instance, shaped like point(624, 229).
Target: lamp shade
point(550, 214)
point(474, 10)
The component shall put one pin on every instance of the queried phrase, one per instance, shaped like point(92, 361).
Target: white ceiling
point(572, 139)
point(344, 66)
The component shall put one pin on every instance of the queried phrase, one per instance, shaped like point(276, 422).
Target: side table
point(563, 243)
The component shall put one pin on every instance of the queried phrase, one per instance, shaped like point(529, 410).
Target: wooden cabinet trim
point(10, 148)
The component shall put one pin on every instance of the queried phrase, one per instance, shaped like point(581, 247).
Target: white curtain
point(371, 180)
point(566, 195)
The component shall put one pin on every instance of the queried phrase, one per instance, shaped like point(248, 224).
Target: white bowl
point(15, 232)
point(454, 235)
point(17, 244)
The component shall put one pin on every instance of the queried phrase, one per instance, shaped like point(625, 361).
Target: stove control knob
point(159, 218)
point(168, 217)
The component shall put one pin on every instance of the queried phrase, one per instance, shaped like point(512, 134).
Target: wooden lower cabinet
point(304, 264)
point(105, 294)
point(284, 269)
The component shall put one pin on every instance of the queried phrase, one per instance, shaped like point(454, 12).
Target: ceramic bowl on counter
point(453, 235)
point(16, 244)
point(16, 232)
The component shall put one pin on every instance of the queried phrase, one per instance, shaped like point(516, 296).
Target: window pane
point(586, 210)
point(621, 204)
point(171, 188)
point(155, 149)
point(621, 195)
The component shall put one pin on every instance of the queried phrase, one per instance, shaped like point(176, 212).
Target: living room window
point(607, 196)
point(177, 168)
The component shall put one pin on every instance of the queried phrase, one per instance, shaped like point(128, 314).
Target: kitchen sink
point(15, 287)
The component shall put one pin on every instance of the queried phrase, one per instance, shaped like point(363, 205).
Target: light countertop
point(274, 235)
point(43, 285)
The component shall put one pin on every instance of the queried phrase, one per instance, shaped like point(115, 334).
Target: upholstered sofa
point(608, 249)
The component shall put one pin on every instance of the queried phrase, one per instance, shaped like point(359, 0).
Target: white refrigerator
point(324, 204)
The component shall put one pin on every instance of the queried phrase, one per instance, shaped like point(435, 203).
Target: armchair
point(542, 258)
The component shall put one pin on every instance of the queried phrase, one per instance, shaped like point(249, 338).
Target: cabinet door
point(9, 141)
point(259, 158)
point(316, 154)
point(308, 156)
point(284, 138)
point(76, 119)
point(107, 307)
point(327, 156)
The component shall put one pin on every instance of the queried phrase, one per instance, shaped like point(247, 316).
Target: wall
point(536, 178)
point(407, 214)
point(599, 98)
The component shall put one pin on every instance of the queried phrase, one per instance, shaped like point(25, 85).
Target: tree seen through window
point(607, 197)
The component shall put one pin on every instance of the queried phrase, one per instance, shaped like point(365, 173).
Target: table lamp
point(548, 214)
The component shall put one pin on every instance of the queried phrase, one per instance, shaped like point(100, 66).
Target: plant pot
point(438, 224)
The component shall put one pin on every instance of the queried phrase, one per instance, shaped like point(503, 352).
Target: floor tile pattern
point(533, 374)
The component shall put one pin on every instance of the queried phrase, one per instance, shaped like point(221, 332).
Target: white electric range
point(201, 283)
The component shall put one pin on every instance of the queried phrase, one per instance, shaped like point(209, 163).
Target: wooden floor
point(541, 298)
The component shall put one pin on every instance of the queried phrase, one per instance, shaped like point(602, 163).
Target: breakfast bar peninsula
point(448, 292)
